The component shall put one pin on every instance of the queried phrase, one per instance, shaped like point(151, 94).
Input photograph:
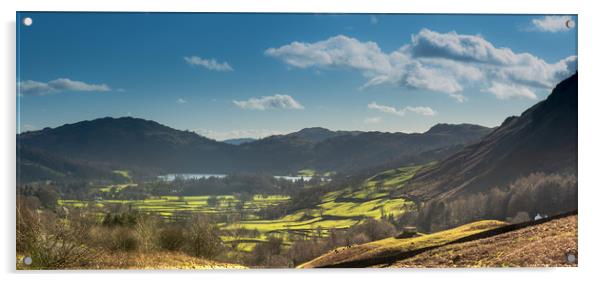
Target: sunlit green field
point(342, 208)
point(338, 209)
point(168, 206)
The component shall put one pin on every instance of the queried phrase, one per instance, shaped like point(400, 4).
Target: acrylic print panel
point(201, 140)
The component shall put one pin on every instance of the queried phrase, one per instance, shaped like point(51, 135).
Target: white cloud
point(232, 134)
point(338, 51)
point(181, 101)
point(505, 91)
point(277, 101)
point(31, 87)
point(386, 109)
point(373, 120)
point(424, 111)
point(210, 64)
point(553, 23)
point(438, 62)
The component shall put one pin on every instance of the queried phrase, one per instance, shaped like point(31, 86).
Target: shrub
point(203, 237)
point(123, 239)
point(58, 245)
point(146, 230)
point(263, 252)
point(373, 229)
point(28, 224)
point(172, 238)
point(520, 217)
point(306, 250)
point(541, 193)
point(359, 238)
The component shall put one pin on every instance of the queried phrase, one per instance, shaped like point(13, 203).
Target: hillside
point(35, 164)
point(541, 139)
point(375, 147)
point(479, 244)
point(326, 150)
point(378, 251)
point(541, 245)
point(131, 142)
point(338, 209)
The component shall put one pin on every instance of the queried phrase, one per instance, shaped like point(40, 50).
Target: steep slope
point(379, 147)
point(377, 252)
point(485, 243)
point(542, 139)
point(542, 245)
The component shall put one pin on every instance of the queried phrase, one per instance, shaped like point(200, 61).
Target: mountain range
point(133, 143)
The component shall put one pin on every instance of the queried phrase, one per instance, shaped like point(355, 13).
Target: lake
point(187, 176)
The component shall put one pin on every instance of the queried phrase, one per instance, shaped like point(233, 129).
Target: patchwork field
point(338, 209)
point(169, 206)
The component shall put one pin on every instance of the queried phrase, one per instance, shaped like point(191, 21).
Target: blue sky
point(252, 75)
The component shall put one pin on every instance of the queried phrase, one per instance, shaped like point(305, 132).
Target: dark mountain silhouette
point(327, 150)
point(541, 139)
point(136, 143)
point(131, 142)
point(239, 141)
point(376, 147)
point(319, 134)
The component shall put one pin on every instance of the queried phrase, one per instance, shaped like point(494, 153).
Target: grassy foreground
point(388, 246)
point(151, 260)
point(542, 245)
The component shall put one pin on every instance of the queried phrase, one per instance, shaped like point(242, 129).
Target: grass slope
point(541, 245)
point(152, 260)
point(342, 208)
point(386, 247)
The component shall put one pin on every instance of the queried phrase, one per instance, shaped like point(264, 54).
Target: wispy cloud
point(277, 101)
point(433, 61)
point(424, 111)
point(553, 23)
point(373, 120)
point(210, 64)
point(506, 91)
point(181, 101)
point(37, 88)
